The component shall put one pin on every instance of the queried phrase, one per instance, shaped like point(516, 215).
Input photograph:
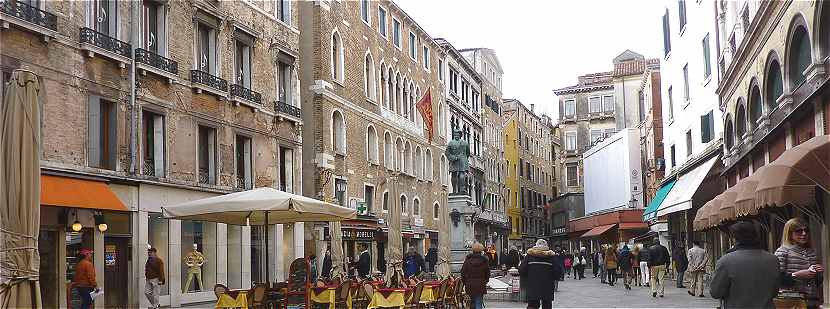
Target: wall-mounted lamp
point(77, 226)
point(100, 222)
point(455, 216)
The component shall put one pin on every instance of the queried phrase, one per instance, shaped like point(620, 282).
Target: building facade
point(150, 104)
point(368, 146)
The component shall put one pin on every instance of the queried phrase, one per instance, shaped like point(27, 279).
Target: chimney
point(531, 107)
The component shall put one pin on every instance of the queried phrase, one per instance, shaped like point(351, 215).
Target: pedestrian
point(312, 267)
point(625, 263)
point(748, 276)
point(681, 264)
point(539, 270)
point(492, 256)
point(697, 269)
point(798, 260)
point(579, 266)
point(364, 261)
point(568, 263)
point(475, 273)
point(513, 258)
point(635, 266)
point(611, 264)
point(326, 271)
point(595, 263)
point(432, 258)
point(153, 277)
point(413, 263)
point(559, 262)
point(602, 269)
point(657, 263)
point(645, 273)
point(84, 279)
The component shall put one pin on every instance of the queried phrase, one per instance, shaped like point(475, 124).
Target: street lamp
point(77, 226)
point(100, 222)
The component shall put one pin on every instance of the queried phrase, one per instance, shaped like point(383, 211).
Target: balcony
point(289, 111)
point(26, 16)
point(155, 63)
point(149, 167)
point(203, 81)
point(95, 42)
point(240, 94)
point(401, 122)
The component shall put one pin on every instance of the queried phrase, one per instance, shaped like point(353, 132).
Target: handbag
point(788, 297)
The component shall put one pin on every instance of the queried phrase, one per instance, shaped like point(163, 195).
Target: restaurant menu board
point(110, 255)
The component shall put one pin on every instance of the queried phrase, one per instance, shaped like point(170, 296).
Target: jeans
point(658, 273)
point(696, 282)
point(86, 299)
point(612, 276)
point(580, 272)
point(680, 278)
point(534, 304)
point(478, 301)
point(151, 291)
point(644, 272)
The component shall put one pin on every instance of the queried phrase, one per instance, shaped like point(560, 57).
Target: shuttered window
point(102, 133)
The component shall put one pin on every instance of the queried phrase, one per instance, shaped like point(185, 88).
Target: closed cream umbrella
point(394, 248)
point(444, 254)
point(337, 261)
point(20, 192)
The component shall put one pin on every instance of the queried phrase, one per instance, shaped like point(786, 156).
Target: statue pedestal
point(461, 229)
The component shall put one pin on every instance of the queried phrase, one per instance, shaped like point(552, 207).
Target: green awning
point(651, 210)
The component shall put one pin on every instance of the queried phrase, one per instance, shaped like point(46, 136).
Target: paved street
point(590, 293)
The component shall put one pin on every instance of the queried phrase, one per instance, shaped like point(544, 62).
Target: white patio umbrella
point(260, 206)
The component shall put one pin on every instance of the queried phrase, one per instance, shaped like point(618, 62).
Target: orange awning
point(633, 226)
point(78, 193)
point(599, 230)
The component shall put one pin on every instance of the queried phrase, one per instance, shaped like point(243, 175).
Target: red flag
point(425, 108)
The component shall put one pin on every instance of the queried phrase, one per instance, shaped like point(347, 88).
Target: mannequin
point(194, 261)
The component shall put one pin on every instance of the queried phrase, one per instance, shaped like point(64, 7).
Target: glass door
point(116, 272)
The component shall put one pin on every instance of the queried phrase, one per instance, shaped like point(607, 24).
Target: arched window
point(740, 120)
point(405, 95)
point(799, 56)
point(774, 85)
point(399, 155)
point(729, 138)
point(428, 163)
point(371, 144)
point(418, 119)
point(385, 202)
point(398, 91)
point(407, 158)
point(419, 163)
point(444, 170)
point(412, 111)
point(403, 204)
point(441, 120)
point(416, 207)
point(755, 106)
point(390, 89)
point(336, 57)
point(384, 94)
point(388, 151)
point(436, 211)
point(338, 134)
point(369, 77)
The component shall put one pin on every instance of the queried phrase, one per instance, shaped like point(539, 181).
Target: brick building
point(149, 104)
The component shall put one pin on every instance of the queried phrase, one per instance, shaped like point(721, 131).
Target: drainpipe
point(134, 17)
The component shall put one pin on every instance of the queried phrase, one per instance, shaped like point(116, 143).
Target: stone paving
point(590, 293)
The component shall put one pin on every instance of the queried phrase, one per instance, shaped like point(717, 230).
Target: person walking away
point(595, 263)
point(747, 277)
point(539, 270)
point(681, 264)
point(559, 262)
point(568, 264)
point(697, 269)
point(602, 269)
point(513, 258)
point(413, 263)
point(625, 263)
point(635, 265)
point(581, 262)
point(645, 274)
point(326, 271)
point(432, 258)
point(153, 277)
point(364, 262)
point(798, 261)
point(475, 273)
point(84, 279)
point(657, 263)
point(611, 264)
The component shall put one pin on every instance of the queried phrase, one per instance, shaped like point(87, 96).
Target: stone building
point(529, 135)
point(149, 104)
point(366, 65)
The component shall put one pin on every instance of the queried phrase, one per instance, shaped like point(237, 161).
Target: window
point(369, 198)
point(284, 83)
point(385, 202)
point(570, 108)
point(364, 11)
point(774, 85)
point(102, 133)
point(573, 174)
point(104, 17)
point(372, 145)
point(740, 121)
point(428, 165)
point(453, 81)
point(641, 100)
point(388, 151)
point(596, 135)
point(707, 69)
point(338, 133)
point(201, 236)
point(608, 103)
point(340, 187)
point(729, 133)
point(206, 45)
point(396, 33)
point(436, 211)
point(686, 84)
point(416, 207)
point(800, 57)
point(688, 143)
point(336, 57)
point(242, 59)
point(570, 140)
point(666, 34)
point(419, 163)
point(755, 106)
point(153, 143)
point(610, 132)
point(284, 13)
point(369, 77)
point(287, 169)
point(444, 169)
point(413, 46)
point(154, 33)
point(426, 58)
point(441, 69)
point(382, 21)
point(671, 104)
point(403, 205)
point(594, 104)
point(672, 156)
point(207, 155)
point(707, 127)
point(244, 179)
point(681, 11)
point(521, 167)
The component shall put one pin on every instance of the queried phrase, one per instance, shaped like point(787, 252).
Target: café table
point(227, 300)
point(387, 298)
point(324, 295)
point(429, 292)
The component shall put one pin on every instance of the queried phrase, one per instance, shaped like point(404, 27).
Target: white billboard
point(613, 176)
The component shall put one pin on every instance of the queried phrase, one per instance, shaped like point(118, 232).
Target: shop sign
point(559, 231)
point(110, 255)
point(351, 234)
point(418, 221)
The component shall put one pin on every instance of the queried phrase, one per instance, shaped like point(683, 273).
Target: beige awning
point(794, 177)
point(703, 216)
point(745, 200)
point(726, 211)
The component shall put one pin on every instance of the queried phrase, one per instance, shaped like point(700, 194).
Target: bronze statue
point(458, 154)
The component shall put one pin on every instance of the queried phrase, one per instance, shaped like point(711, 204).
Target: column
point(174, 258)
point(275, 248)
point(280, 260)
point(825, 250)
point(61, 265)
point(246, 257)
point(234, 264)
point(140, 228)
point(299, 240)
point(99, 262)
point(222, 259)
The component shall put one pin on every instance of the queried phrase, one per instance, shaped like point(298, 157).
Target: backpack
point(567, 262)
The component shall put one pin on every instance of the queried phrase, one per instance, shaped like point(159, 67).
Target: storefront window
point(258, 257)
point(158, 237)
point(198, 256)
point(75, 241)
point(47, 247)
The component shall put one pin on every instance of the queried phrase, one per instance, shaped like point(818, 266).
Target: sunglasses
point(801, 231)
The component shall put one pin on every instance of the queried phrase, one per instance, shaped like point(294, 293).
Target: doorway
point(116, 272)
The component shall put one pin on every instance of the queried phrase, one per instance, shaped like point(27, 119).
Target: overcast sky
point(544, 44)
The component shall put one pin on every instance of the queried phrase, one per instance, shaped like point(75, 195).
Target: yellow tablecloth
point(395, 299)
point(326, 296)
point(226, 301)
point(428, 294)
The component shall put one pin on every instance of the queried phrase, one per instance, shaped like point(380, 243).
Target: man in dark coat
point(657, 263)
point(681, 264)
point(513, 258)
point(539, 270)
point(475, 273)
point(747, 277)
point(432, 259)
point(326, 271)
point(364, 262)
point(413, 263)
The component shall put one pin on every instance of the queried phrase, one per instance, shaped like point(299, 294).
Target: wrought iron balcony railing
point(30, 14)
point(287, 109)
point(149, 167)
point(204, 176)
point(239, 91)
point(152, 59)
point(206, 79)
point(105, 42)
point(240, 183)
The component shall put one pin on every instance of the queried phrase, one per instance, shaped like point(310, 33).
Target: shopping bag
point(95, 293)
